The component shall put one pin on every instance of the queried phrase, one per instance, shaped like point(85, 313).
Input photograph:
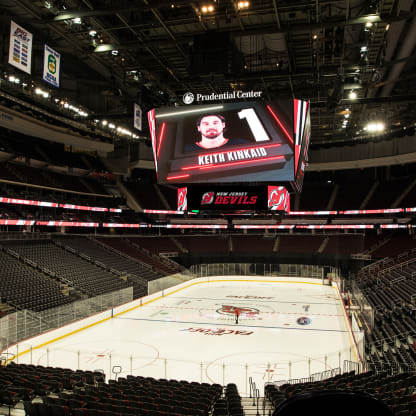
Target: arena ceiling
point(116, 52)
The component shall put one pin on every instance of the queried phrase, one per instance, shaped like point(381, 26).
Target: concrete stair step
point(251, 410)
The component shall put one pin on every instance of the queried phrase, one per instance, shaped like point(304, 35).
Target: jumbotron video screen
point(241, 142)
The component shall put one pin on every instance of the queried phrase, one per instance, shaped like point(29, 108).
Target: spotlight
point(45, 95)
point(243, 4)
point(352, 95)
point(209, 8)
point(114, 52)
point(11, 78)
point(104, 122)
point(38, 91)
point(315, 36)
point(368, 24)
point(92, 33)
point(77, 20)
point(374, 127)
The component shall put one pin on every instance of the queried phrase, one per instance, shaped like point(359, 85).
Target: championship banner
point(182, 199)
point(51, 66)
point(137, 117)
point(278, 198)
point(20, 49)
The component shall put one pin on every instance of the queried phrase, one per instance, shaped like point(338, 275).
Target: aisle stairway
point(250, 406)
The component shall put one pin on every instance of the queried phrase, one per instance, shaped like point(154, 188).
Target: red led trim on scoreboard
point(169, 178)
point(162, 135)
point(280, 124)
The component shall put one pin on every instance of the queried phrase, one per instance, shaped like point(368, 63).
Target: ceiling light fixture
point(374, 127)
point(352, 95)
point(77, 20)
point(92, 32)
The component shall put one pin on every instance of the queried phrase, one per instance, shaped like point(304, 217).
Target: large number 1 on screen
point(254, 123)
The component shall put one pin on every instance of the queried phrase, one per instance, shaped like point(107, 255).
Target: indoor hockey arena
point(207, 208)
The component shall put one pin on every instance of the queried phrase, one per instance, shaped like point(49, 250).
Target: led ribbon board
point(259, 198)
point(226, 143)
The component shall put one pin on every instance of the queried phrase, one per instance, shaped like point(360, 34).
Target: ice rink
point(288, 328)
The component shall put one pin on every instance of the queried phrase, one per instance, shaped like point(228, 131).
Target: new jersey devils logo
point(207, 198)
point(182, 205)
point(275, 199)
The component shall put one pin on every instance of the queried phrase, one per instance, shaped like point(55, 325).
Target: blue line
point(225, 324)
point(259, 300)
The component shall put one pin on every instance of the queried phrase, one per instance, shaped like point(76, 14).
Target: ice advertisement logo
point(207, 198)
point(243, 310)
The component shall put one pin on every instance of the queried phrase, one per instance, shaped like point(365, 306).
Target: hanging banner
point(137, 117)
point(20, 49)
point(51, 66)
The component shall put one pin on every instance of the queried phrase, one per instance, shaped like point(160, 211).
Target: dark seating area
point(299, 244)
point(52, 117)
point(85, 393)
point(387, 192)
point(391, 292)
point(207, 244)
point(27, 288)
point(137, 274)
point(309, 200)
point(146, 195)
point(42, 177)
point(395, 391)
point(252, 243)
point(83, 275)
point(156, 245)
point(159, 266)
point(344, 244)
